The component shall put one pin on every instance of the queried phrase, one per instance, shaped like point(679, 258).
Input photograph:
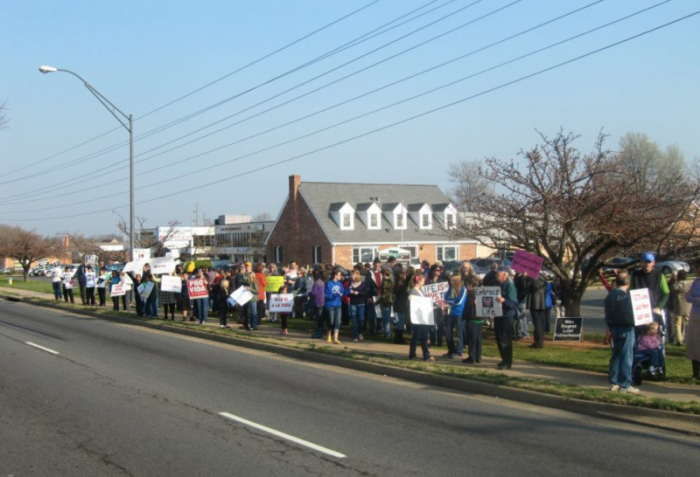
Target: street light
point(129, 126)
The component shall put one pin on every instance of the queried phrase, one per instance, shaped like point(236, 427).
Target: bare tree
point(262, 217)
point(576, 210)
point(470, 185)
point(26, 246)
point(146, 239)
point(81, 245)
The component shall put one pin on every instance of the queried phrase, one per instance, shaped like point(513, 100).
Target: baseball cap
point(248, 264)
point(648, 257)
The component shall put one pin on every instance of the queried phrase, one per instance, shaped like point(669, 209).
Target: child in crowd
point(284, 316)
point(186, 302)
point(68, 284)
point(90, 283)
point(648, 345)
point(114, 280)
point(101, 284)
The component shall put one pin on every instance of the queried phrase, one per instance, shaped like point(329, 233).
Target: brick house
point(325, 222)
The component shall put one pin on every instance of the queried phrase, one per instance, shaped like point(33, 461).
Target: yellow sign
point(274, 284)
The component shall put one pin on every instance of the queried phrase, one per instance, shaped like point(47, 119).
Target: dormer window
point(447, 214)
point(422, 215)
point(396, 215)
point(374, 220)
point(343, 214)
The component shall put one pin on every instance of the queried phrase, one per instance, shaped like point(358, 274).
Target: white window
point(400, 218)
point(373, 221)
point(346, 221)
point(450, 221)
point(448, 253)
point(364, 254)
point(426, 221)
point(278, 254)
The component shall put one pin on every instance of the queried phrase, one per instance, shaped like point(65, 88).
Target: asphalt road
point(120, 400)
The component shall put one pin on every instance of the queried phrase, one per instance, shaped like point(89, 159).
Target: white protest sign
point(436, 291)
point(92, 260)
point(641, 305)
point(242, 296)
point(126, 280)
point(142, 254)
point(118, 289)
point(422, 312)
point(68, 281)
point(162, 265)
point(281, 302)
point(145, 290)
point(486, 303)
point(90, 280)
point(170, 284)
point(134, 267)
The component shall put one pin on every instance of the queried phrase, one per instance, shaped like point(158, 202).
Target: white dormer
point(371, 214)
point(422, 214)
point(344, 215)
point(396, 215)
point(447, 213)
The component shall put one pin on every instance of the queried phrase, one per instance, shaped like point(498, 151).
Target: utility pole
point(196, 216)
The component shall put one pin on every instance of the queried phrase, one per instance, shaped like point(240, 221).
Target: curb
point(665, 420)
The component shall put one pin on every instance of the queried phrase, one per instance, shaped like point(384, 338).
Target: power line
point(288, 45)
point(394, 124)
point(383, 108)
point(352, 43)
point(23, 197)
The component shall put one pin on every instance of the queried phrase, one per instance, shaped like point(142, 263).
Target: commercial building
point(326, 222)
point(238, 239)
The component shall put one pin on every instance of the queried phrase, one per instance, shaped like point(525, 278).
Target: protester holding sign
point(56, 279)
point(455, 298)
point(186, 302)
point(435, 277)
point(419, 331)
point(284, 315)
point(503, 325)
point(473, 323)
point(68, 284)
point(252, 305)
point(538, 307)
point(168, 300)
point(114, 280)
point(224, 291)
point(101, 286)
point(619, 316)
point(90, 283)
point(655, 281)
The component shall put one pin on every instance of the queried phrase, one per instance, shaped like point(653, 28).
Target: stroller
point(642, 362)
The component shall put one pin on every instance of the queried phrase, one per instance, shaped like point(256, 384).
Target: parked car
point(618, 263)
point(115, 267)
point(670, 266)
point(485, 263)
point(38, 272)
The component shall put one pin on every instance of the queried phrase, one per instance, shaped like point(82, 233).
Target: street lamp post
point(128, 125)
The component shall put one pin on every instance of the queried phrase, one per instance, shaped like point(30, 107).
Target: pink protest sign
point(525, 262)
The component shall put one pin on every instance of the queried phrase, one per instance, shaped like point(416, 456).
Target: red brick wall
point(297, 232)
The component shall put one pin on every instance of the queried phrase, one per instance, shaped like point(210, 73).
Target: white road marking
point(283, 435)
point(41, 347)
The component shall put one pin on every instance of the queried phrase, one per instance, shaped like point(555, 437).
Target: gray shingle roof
point(321, 195)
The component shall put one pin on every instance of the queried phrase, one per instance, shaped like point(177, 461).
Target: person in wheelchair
point(649, 351)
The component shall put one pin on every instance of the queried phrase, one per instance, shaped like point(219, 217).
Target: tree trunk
point(571, 299)
point(26, 275)
point(574, 307)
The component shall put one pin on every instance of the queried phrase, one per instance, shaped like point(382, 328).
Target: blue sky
point(143, 54)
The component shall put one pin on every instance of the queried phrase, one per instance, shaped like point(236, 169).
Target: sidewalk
point(521, 369)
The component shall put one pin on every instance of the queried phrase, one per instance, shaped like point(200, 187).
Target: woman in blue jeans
point(357, 292)
point(334, 292)
point(455, 298)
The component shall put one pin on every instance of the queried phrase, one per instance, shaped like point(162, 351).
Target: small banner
point(422, 312)
point(197, 288)
point(274, 284)
point(170, 284)
point(281, 303)
point(486, 303)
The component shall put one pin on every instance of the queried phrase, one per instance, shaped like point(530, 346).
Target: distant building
point(325, 222)
point(240, 240)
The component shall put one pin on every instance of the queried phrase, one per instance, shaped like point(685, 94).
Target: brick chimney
point(294, 182)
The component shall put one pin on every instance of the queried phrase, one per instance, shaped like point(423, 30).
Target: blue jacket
point(334, 291)
point(457, 303)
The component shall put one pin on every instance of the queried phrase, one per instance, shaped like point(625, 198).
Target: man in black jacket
point(619, 317)
point(373, 283)
point(538, 309)
point(82, 280)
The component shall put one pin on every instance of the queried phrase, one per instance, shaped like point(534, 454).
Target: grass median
point(581, 357)
point(33, 284)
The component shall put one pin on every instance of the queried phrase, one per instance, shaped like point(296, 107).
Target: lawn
point(32, 285)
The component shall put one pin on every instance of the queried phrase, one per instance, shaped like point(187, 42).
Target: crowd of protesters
point(375, 299)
